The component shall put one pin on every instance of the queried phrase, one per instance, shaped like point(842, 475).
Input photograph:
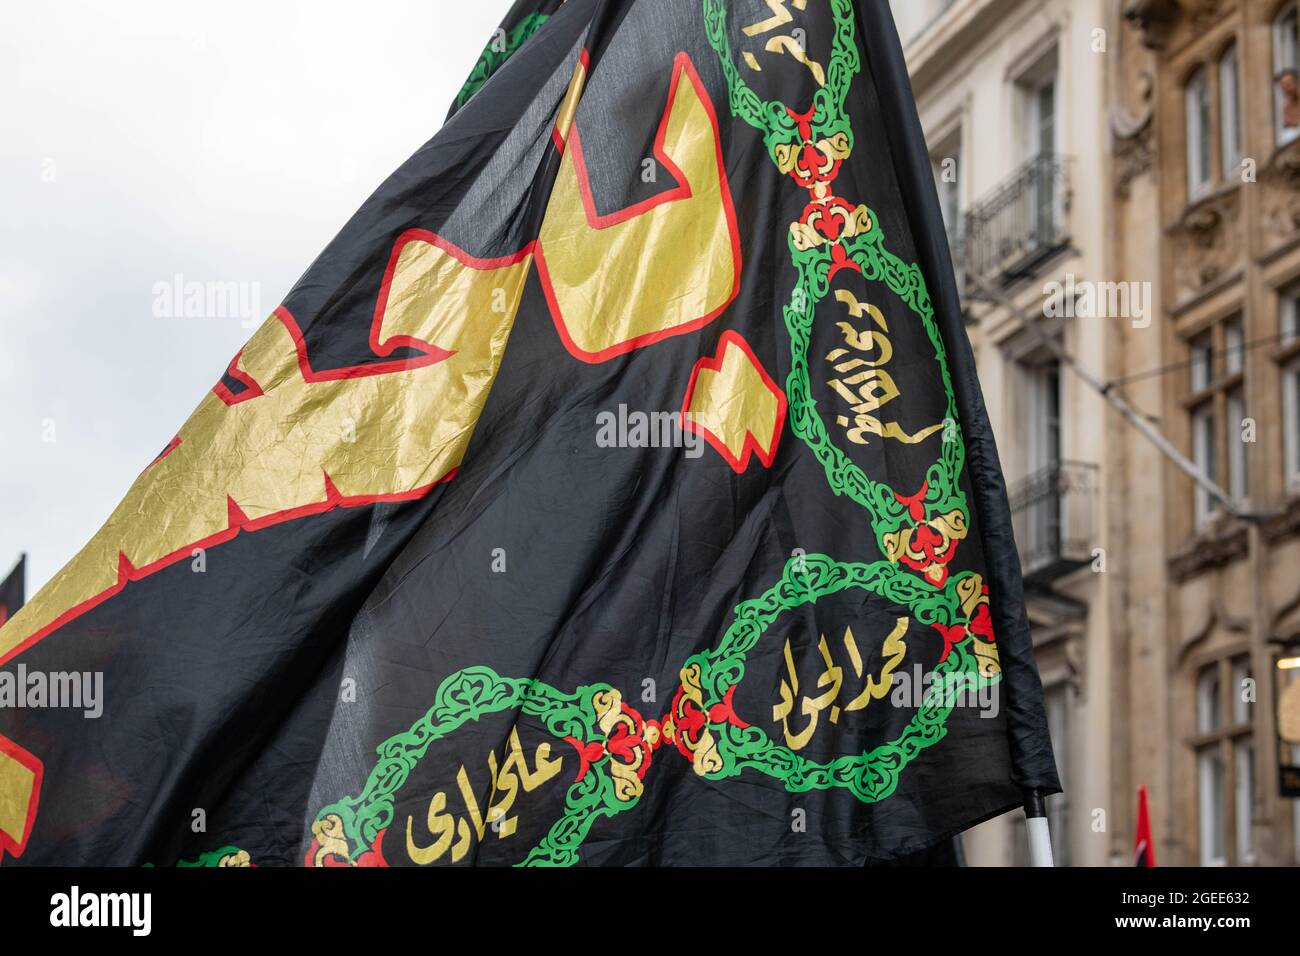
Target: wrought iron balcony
point(1020, 223)
point(1054, 516)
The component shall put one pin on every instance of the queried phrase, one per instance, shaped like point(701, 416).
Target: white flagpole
point(1040, 836)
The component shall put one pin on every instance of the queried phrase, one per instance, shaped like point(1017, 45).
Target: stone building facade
point(1126, 174)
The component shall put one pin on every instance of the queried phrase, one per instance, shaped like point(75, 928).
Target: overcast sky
point(217, 140)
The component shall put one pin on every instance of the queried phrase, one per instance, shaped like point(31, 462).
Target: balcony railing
point(1020, 223)
point(1053, 514)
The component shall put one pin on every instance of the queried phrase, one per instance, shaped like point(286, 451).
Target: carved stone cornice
point(1130, 119)
point(1133, 153)
point(1131, 134)
point(1158, 18)
point(1280, 196)
point(1155, 18)
point(1207, 243)
point(1212, 549)
point(1202, 12)
point(1284, 165)
point(1217, 619)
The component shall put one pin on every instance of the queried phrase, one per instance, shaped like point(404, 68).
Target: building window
point(1243, 755)
point(1291, 421)
point(1203, 427)
point(1286, 90)
point(1057, 701)
point(1209, 769)
point(1234, 346)
point(1290, 368)
point(1243, 761)
point(1213, 845)
point(1040, 144)
point(1042, 117)
point(1229, 116)
point(1225, 764)
point(1234, 365)
point(1043, 383)
point(1197, 98)
point(1216, 407)
point(1209, 702)
point(1037, 89)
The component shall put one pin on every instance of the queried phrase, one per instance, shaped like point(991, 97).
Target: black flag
point(13, 590)
point(614, 489)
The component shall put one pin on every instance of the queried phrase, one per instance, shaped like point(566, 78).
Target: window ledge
point(1221, 541)
point(1286, 523)
point(1201, 212)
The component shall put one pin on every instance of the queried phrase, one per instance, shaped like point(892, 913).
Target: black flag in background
point(615, 489)
point(13, 590)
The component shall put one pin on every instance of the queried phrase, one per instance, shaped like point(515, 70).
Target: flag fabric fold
point(614, 489)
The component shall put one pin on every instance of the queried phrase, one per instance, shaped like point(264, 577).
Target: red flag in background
point(1144, 850)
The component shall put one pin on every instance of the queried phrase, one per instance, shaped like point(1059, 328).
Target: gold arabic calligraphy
point(791, 43)
point(456, 833)
point(831, 682)
point(872, 387)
